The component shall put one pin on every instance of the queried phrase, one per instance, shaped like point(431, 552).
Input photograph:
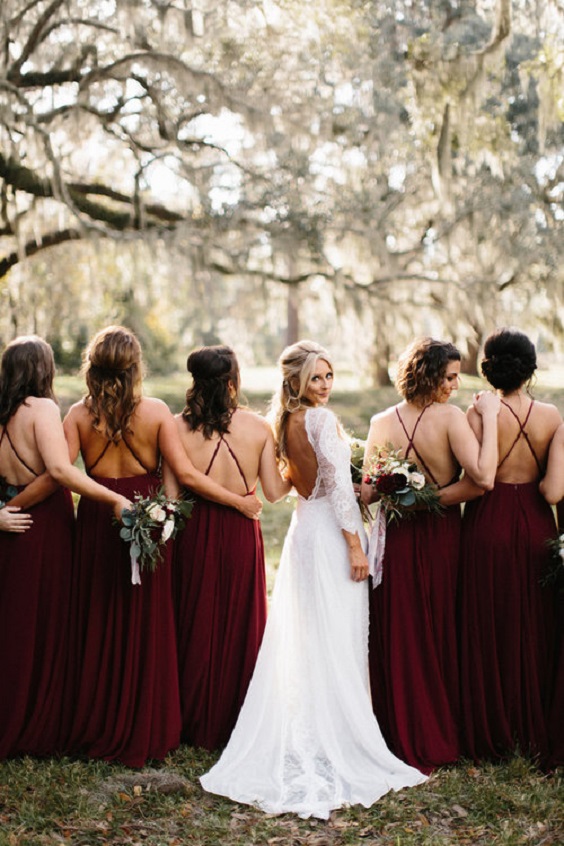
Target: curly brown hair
point(214, 395)
point(113, 369)
point(27, 370)
point(422, 367)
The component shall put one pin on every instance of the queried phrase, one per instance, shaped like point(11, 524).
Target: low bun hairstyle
point(214, 395)
point(510, 360)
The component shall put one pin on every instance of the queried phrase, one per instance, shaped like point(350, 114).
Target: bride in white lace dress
point(306, 740)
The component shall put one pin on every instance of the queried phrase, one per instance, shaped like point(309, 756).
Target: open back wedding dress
point(306, 740)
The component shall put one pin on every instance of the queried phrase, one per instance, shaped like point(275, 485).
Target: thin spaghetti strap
point(16, 453)
point(216, 450)
point(100, 457)
point(236, 460)
point(411, 445)
point(221, 441)
point(523, 433)
point(135, 456)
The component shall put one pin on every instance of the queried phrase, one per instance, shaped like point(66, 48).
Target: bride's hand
point(359, 563)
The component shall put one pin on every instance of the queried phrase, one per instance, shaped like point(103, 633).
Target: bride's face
point(321, 383)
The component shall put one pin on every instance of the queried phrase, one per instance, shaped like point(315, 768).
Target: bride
point(306, 740)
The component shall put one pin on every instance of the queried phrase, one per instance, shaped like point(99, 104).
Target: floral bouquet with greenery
point(147, 526)
point(554, 575)
point(400, 485)
point(7, 492)
point(401, 489)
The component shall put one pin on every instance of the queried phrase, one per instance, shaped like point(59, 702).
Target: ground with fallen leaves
point(43, 803)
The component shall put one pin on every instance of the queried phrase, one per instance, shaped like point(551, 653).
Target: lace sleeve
point(333, 460)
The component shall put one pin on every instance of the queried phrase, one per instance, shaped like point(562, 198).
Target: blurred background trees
point(252, 171)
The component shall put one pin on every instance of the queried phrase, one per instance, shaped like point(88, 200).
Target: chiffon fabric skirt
point(124, 667)
point(35, 576)
point(412, 646)
point(220, 602)
point(306, 740)
point(556, 708)
point(506, 622)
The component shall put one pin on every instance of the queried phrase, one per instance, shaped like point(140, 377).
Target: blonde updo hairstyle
point(113, 369)
point(297, 364)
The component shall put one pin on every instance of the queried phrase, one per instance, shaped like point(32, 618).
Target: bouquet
point(401, 488)
point(7, 492)
point(147, 526)
point(400, 485)
point(554, 575)
point(357, 460)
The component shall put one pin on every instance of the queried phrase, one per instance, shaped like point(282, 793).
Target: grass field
point(77, 802)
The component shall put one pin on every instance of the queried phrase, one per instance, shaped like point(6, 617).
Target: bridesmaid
point(552, 488)
point(412, 647)
point(124, 665)
point(506, 618)
point(35, 550)
point(219, 576)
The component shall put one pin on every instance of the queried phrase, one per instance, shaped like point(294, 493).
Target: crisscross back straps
point(129, 447)
point(411, 445)
point(233, 456)
point(520, 433)
point(14, 450)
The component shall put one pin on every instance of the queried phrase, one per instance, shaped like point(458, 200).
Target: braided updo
point(510, 359)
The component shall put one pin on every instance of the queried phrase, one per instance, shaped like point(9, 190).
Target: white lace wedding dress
point(306, 740)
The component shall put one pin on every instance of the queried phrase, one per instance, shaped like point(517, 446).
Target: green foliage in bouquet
point(400, 484)
point(151, 523)
point(554, 574)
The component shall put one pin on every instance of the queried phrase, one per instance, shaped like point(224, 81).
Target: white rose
point(168, 529)
point(417, 480)
point(157, 513)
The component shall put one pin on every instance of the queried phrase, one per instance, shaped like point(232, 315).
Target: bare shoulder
point(246, 417)
point(77, 411)
point(41, 405)
point(153, 408)
point(549, 410)
point(385, 415)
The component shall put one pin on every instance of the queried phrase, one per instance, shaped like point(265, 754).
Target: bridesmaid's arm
point(462, 491)
point(170, 482)
point(273, 485)
point(552, 485)
point(38, 490)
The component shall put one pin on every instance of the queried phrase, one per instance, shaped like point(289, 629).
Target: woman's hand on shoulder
point(487, 403)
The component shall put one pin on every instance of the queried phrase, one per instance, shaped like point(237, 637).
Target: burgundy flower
point(390, 484)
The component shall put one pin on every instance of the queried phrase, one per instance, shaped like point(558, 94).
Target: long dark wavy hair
point(510, 360)
point(113, 369)
point(214, 394)
point(422, 367)
point(27, 370)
